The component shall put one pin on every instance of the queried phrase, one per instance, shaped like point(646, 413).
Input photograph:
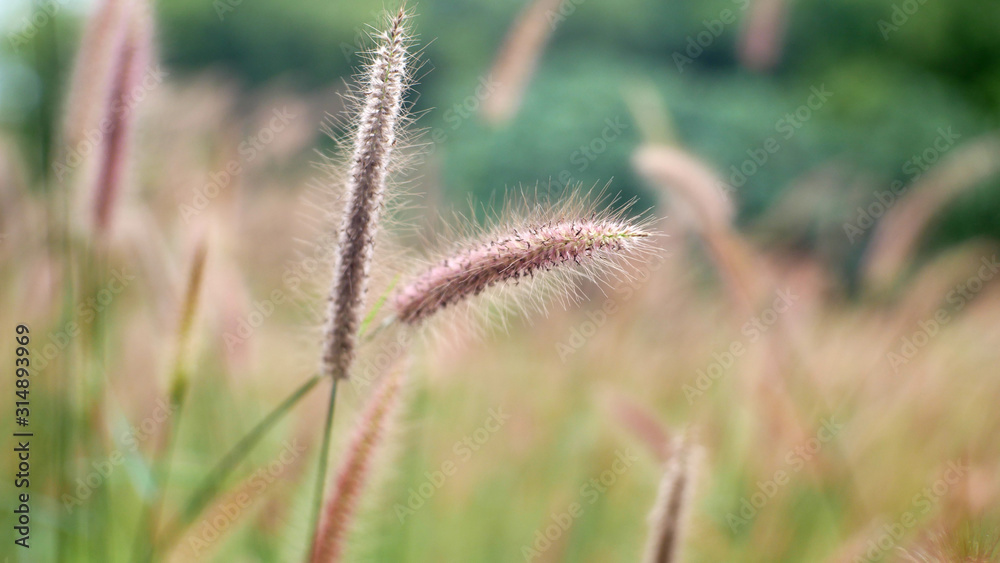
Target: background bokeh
point(825, 344)
point(893, 86)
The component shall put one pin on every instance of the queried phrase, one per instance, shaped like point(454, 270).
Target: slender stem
point(95, 401)
point(145, 535)
point(162, 460)
point(210, 486)
point(69, 415)
point(46, 57)
point(324, 460)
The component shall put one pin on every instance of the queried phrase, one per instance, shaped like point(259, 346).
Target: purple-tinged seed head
point(384, 83)
point(355, 470)
point(669, 515)
point(132, 59)
point(518, 254)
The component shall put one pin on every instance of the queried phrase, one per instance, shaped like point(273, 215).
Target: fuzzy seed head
point(688, 179)
point(116, 52)
point(356, 469)
point(134, 60)
point(383, 84)
point(93, 73)
point(667, 520)
point(518, 254)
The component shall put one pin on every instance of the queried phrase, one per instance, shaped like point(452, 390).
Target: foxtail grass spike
point(667, 521)
point(93, 73)
point(685, 177)
point(640, 422)
point(384, 83)
point(762, 42)
point(898, 234)
point(163, 458)
point(355, 469)
point(189, 309)
point(518, 57)
point(508, 257)
point(696, 188)
point(131, 60)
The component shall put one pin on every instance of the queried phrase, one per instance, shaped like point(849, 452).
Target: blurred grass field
point(843, 416)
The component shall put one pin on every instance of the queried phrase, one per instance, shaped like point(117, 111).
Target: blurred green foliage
point(895, 78)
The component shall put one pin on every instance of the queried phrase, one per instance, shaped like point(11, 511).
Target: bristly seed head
point(116, 51)
point(356, 469)
point(510, 257)
point(384, 82)
point(669, 516)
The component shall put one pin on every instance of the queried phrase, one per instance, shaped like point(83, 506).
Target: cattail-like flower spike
point(511, 256)
point(189, 308)
point(178, 389)
point(667, 520)
point(131, 60)
point(355, 470)
point(685, 177)
point(93, 75)
point(761, 44)
point(693, 185)
point(640, 422)
point(517, 58)
point(898, 234)
point(384, 83)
